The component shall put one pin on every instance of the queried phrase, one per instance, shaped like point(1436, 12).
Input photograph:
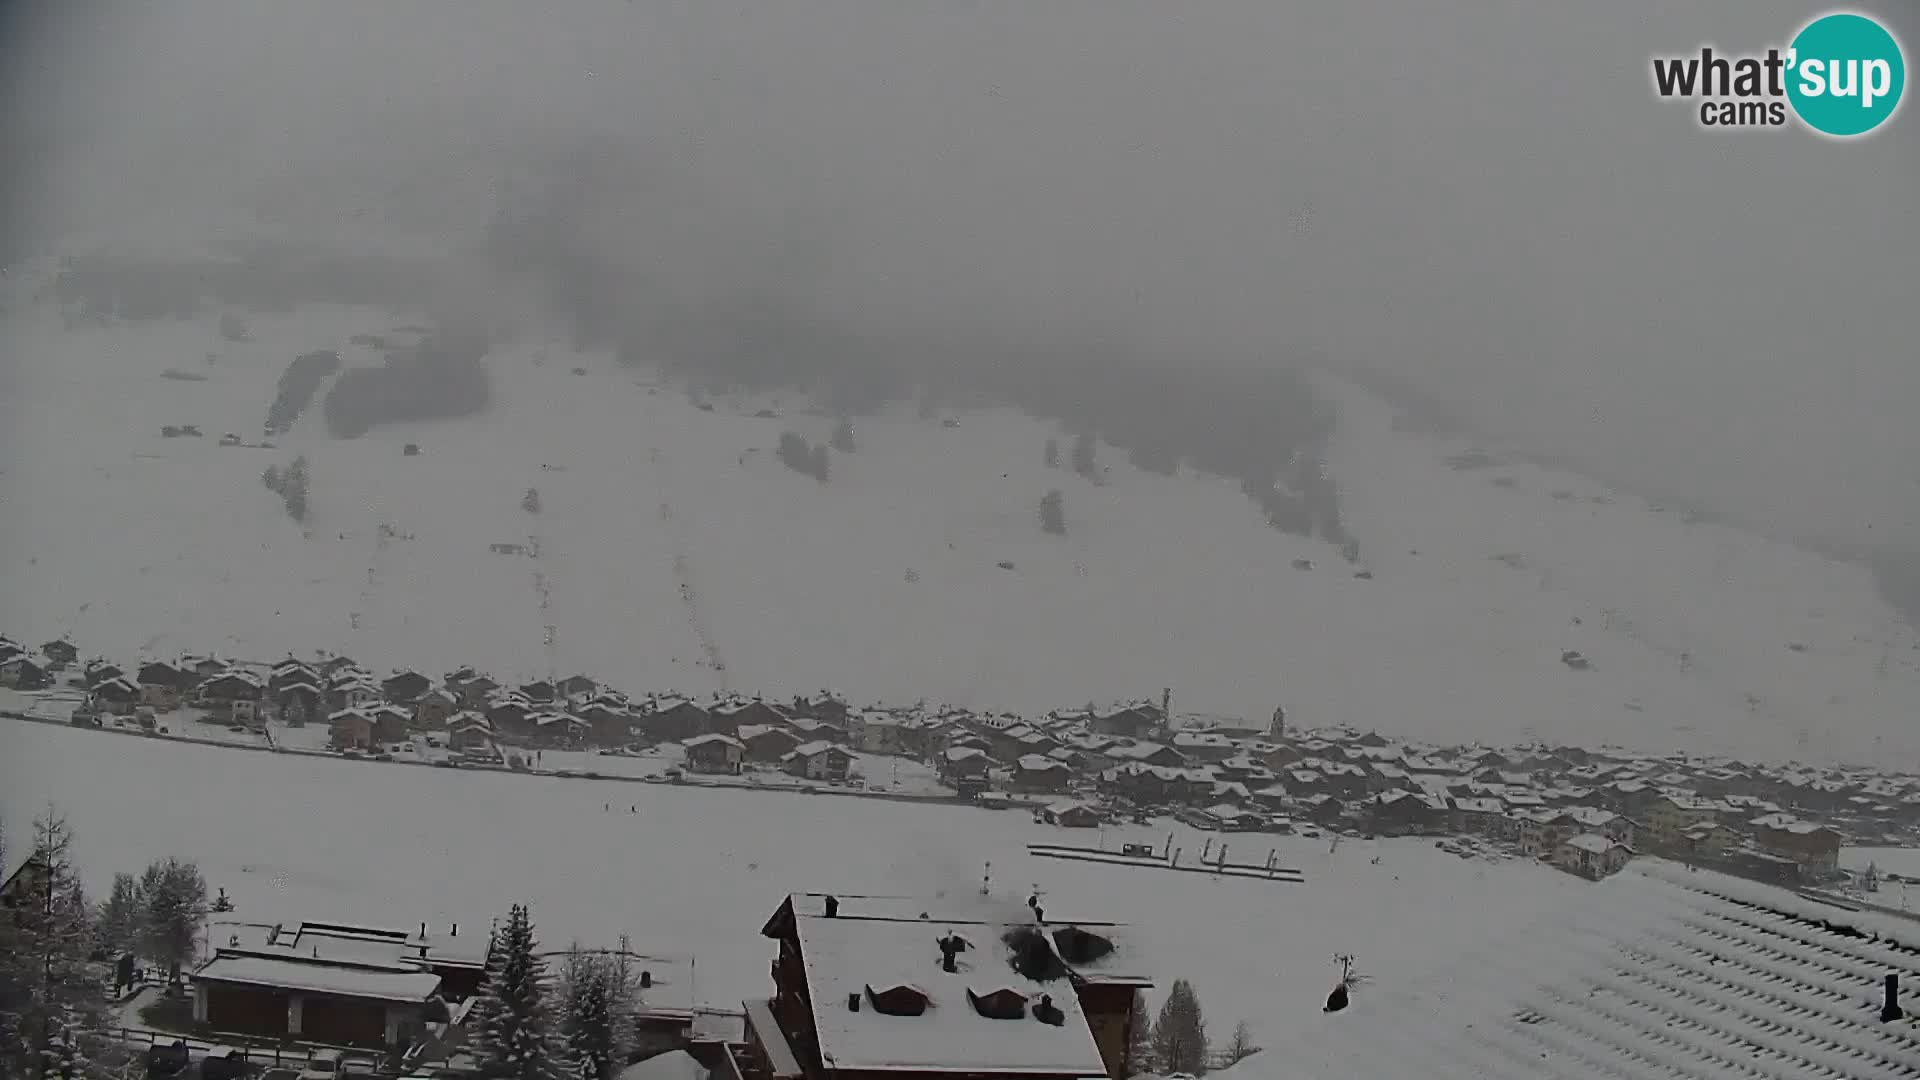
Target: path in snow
point(711, 656)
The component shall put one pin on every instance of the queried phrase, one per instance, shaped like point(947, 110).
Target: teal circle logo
point(1846, 74)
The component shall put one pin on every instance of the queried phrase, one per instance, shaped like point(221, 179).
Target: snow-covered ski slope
point(673, 551)
point(696, 871)
point(1658, 972)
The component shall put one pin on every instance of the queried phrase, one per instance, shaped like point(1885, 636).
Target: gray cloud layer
point(1484, 199)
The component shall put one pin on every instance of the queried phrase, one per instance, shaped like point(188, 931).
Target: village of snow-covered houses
point(1697, 917)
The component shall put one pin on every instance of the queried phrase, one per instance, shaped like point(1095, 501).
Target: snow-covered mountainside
point(672, 550)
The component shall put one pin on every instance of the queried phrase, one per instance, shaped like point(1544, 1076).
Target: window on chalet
point(900, 1000)
point(1005, 1003)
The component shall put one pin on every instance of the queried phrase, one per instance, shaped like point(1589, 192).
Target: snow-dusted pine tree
point(1140, 1038)
point(47, 988)
point(175, 908)
point(1180, 1033)
point(597, 998)
point(514, 1036)
point(118, 926)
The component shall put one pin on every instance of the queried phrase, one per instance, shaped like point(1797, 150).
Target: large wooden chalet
point(884, 988)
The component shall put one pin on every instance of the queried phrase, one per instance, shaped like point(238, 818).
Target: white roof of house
point(1041, 763)
point(672, 1065)
point(1657, 972)
point(704, 740)
point(844, 956)
point(385, 985)
point(1593, 842)
point(1137, 751)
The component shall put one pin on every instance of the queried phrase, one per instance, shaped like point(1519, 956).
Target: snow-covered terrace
point(1660, 972)
point(986, 920)
point(378, 983)
point(845, 957)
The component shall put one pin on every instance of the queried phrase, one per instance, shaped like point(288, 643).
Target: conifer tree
point(1140, 1038)
point(174, 899)
point(1180, 1032)
point(1053, 519)
point(512, 1022)
point(118, 926)
point(48, 990)
point(1083, 459)
point(597, 996)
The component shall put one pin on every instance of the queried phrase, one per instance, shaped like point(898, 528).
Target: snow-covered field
point(674, 552)
point(698, 871)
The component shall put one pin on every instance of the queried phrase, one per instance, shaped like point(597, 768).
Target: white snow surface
point(675, 553)
point(846, 956)
point(1658, 972)
point(697, 872)
point(672, 1065)
point(347, 981)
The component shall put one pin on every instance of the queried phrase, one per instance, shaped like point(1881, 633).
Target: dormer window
point(897, 1000)
point(1004, 1003)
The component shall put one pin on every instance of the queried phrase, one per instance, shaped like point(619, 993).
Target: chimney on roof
point(951, 946)
point(423, 931)
point(455, 932)
point(1891, 1011)
point(1048, 1013)
point(833, 908)
point(646, 979)
point(853, 1001)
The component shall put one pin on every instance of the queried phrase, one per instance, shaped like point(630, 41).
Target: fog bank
point(1484, 201)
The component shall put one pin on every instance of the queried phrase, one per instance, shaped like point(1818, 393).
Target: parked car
point(322, 1065)
point(168, 1059)
point(224, 1063)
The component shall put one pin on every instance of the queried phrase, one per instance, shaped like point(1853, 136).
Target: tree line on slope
point(291, 485)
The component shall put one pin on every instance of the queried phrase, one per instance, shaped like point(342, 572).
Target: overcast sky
point(1482, 196)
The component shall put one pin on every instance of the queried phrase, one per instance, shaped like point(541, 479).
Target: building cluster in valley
point(1587, 811)
point(864, 987)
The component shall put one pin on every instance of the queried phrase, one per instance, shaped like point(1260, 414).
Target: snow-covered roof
point(1593, 842)
point(820, 746)
point(707, 740)
point(843, 957)
point(672, 1065)
point(361, 982)
point(1658, 971)
point(1040, 763)
point(1136, 751)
